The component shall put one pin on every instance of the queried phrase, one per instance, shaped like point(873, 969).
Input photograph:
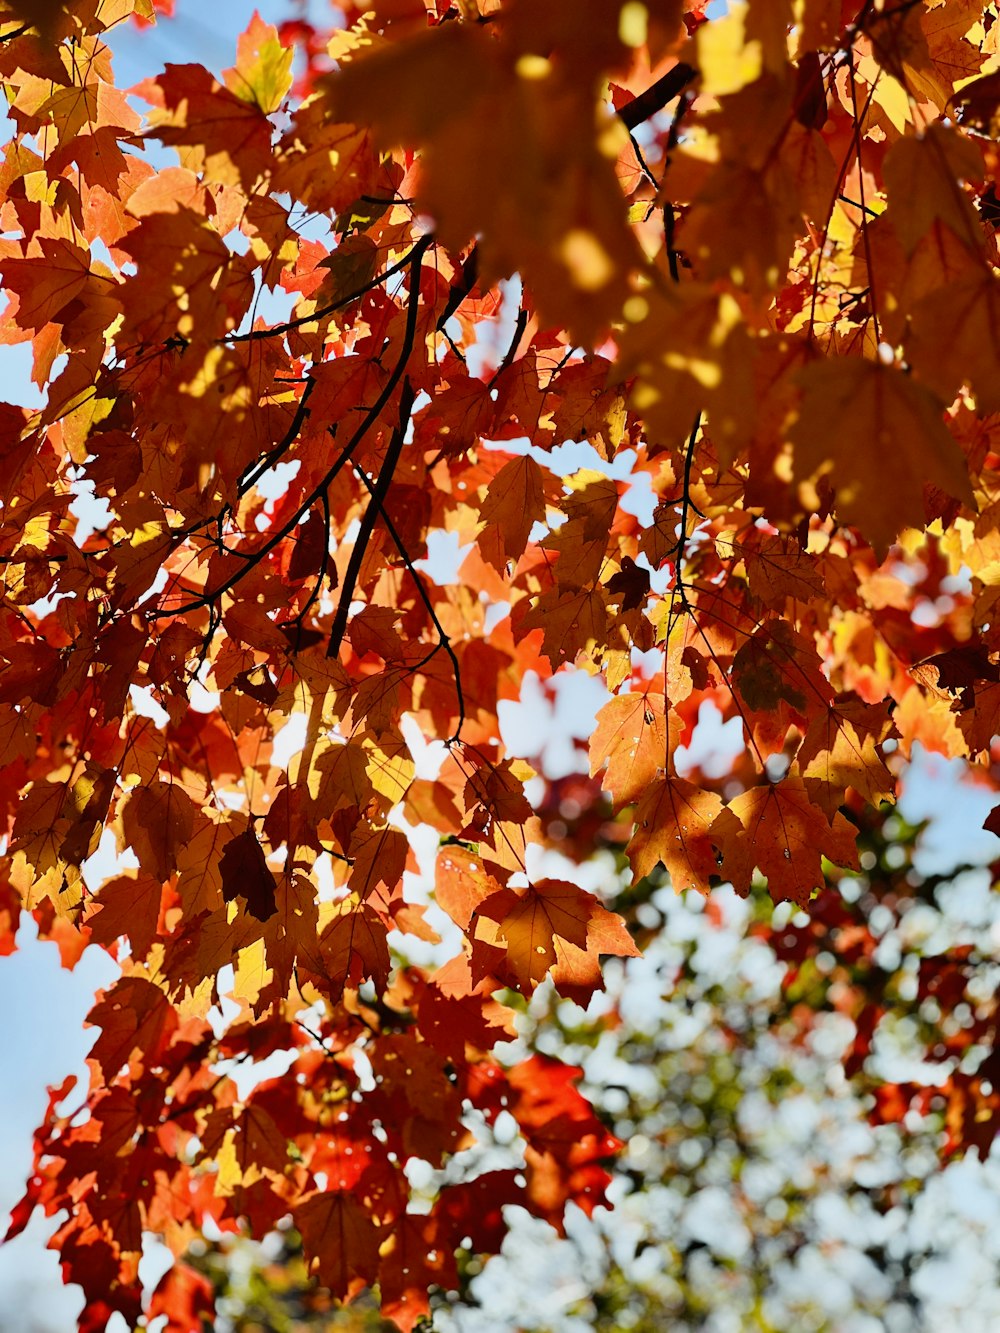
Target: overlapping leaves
point(748, 264)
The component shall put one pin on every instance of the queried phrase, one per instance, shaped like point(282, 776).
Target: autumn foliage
point(755, 256)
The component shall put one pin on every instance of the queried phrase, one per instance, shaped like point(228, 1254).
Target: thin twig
point(866, 240)
point(388, 467)
point(520, 324)
point(370, 417)
point(255, 335)
point(378, 495)
point(269, 459)
point(445, 643)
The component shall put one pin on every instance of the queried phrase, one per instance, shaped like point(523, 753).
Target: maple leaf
point(840, 750)
point(199, 882)
point(341, 1240)
point(225, 137)
point(549, 927)
point(566, 1141)
point(672, 828)
point(778, 569)
point(244, 1144)
point(353, 947)
point(157, 820)
point(572, 622)
point(631, 734)
point(454, 1011)
point(849, 399)
point(780, 831)
point(461, 885)
point(981, 722)
point(575, 249)
point(776, 670)
point(245, 874)
point(185, 1296)
point(514, 503)
point(922, 178)
point(954, 338)
point(630, 585)
point(417, 1258)
point(137, 1022)
point(128, 907)
point(263, 70)
point(48, 283)
point(755, 308)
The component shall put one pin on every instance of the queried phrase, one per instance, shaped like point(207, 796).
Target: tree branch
point(392, 454)
point(370, 417)
point(257, 334)
point(656, 96)
point(376, 505)
point(445, 639)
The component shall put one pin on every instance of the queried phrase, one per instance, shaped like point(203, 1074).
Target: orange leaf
point(879, 487)
point(631, 734)
point(672, 824)
point(550, 926)
point(840, 750)
point(779, 830)
point(514, 503)
point(462, 884)
point(46, 284)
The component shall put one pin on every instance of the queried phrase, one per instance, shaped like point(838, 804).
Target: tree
point(746, 265)
point(760, 1188)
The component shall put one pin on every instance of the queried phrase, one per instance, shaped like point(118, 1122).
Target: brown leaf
point(157, 822)
point(879, 439)
point(245, 875)
point(672, 828)
point(341, 1241)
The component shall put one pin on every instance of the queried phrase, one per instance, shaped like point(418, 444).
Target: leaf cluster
point(340, 313)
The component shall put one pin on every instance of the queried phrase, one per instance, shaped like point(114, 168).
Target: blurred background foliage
point(787, 1088)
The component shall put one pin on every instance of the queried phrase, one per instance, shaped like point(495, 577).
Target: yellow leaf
point(228, 1175)
point(727, 60)
point(251, 973)
point(263, 70)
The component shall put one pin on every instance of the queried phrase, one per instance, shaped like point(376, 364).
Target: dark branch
point(520, 324)
point(370, 417)
point(254, 473)
point(656, 96)
point(461, 289)
point(376, 505)
point(256, 334)
point(445, 640)
point(392, 454)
